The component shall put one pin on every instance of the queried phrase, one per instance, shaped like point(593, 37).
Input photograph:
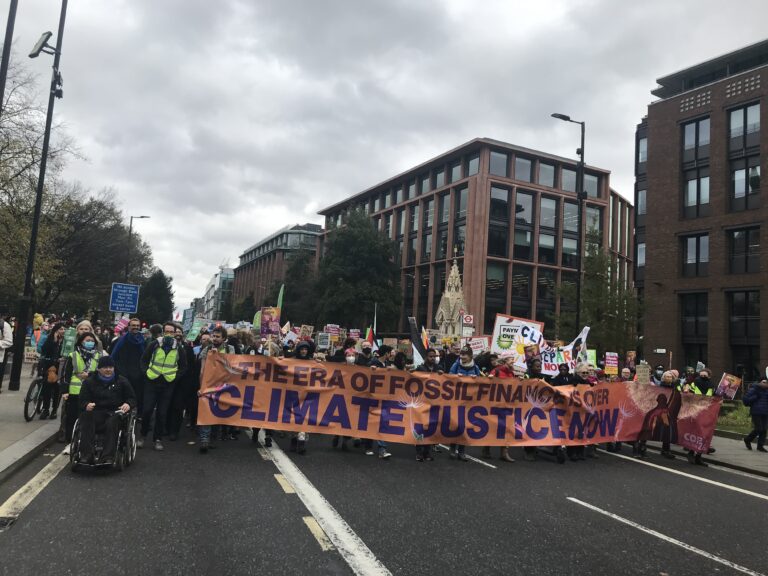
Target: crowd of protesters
point(163, 371)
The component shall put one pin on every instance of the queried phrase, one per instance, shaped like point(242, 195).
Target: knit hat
point(106, 362)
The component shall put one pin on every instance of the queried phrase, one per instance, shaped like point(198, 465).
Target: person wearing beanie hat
point(103, 394)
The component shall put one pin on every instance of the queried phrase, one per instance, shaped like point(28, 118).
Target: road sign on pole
point(124, 298)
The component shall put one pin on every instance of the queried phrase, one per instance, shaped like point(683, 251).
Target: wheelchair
point(125, 453)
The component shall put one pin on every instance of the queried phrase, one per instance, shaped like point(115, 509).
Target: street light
point(26, 299)
point(128, 252)
point(581, 196)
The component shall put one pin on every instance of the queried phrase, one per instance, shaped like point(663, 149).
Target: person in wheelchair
point(105, 399)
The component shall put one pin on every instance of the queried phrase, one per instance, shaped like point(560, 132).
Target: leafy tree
point(607, 306)
point(300, 296)
point(245, 309)
point(358, 270)
point(156, 298)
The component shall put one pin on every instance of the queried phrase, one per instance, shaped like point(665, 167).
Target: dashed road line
point(317, 532)
point(284, 484)
point(666, 538)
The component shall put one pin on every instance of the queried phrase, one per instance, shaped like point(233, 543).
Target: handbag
point(52, 375)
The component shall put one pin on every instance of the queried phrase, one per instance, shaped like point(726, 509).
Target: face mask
point(168, 340)
point(89, 345)
point(350, 359)
point(437, 359)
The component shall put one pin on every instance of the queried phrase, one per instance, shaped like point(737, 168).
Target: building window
point(498, 241)
point(695, 255)
point(642, 150)
point(546, 175)
point(398, 194)
point(522, 169)
point(568, 180)
point(495, 293)
point(570, 253)
point(522, 250)
point(421, 313)
point(388, 224)
point(594, 222)
point(462, 199)
point(442, 244)
point(640, 202)
point(429, 213)
point(426, 247)
point(499, 204)
point(745, 317)
point(745, 184)
point(521, 291)
point(523, 208)
point(444, 208)
point(640, 258)
point(401, 222)
point(456, 171)
point(499, 164)
point(411, 190)
point(695, 321)
point(414, 218)
point(546, 297)
point(459, 237)
point(440, 178)
point(744, 250)
point(744, 127)
point(438, 286)
point(696, 140)
point(548, 213)
point(411, 256)
point(547, 252)
point(570, 217)
point(473, 164)
point(592, 185)
point(387, 200)
point(425, 181)
point(376, 204)
point(696, 201)
point(408, 286)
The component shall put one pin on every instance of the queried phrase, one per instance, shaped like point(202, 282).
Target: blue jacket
point(757, 400)
point(457, 368)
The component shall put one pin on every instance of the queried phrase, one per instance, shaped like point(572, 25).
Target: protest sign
point(332, 329)
point(592, 357)
point(414, 408)
point(68, 342)
point(323, 340)
point(512, 334)
point(572, 354)
point(30, 354)
point(354, 333)
point(612, 363)
point(391, 342)
point(270, 321)
point(728, 386)
point(290, 337)
point(631, 360)
point(478, 344)
point(197, 325)
point(643, 372)
point(306, 331)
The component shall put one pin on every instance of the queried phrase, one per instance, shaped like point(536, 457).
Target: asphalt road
point(179, 512)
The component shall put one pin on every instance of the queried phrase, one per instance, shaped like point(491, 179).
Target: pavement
point(730, 453)
point(241, 509)
point(20, 440)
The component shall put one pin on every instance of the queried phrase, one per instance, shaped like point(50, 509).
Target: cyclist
point(49, 370)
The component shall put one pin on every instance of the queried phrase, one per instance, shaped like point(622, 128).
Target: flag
point(280, 296)
point(257, 321)
point(178, 315)
point(425, 338)
point(419, 347)
point(371, 338)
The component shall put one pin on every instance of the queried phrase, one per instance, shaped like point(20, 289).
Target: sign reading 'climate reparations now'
point(421, 408)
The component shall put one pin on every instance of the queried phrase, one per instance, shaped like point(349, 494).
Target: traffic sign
point(124, 298)
point(468, 319)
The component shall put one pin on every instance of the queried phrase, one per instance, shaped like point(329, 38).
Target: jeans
point(157, 394)
point(759, 429)
point(95, 420)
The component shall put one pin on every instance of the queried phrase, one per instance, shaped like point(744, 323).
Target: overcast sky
point(225, 121)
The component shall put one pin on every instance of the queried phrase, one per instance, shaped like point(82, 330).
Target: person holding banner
point(383, 360)
point(424, 451)
point(218, 346)
point(502, 371)
point(464, 366)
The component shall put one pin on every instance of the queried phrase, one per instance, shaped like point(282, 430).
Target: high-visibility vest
point(162, 364)
point(78, 365)
point(695, 389)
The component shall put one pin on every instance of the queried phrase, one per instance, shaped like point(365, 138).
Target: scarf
point(133, 339)
point(106, 380)
point(468, 365)
point(87, 355)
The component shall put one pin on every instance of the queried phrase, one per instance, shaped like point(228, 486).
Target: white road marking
point(354, 551)
point(264, 454)
point(666, 538)
point(738, 472)
point(15, 505)
point(470, 458)
point(692, 476)
point(317, 532)
point(284, 484)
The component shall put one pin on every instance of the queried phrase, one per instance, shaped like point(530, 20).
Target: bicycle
point(33, 401)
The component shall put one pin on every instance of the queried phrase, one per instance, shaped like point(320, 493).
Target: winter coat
point(757, 400)
point(457, 368)
point(107, 395)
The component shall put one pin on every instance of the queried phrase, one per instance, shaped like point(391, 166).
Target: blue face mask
point(89, 345)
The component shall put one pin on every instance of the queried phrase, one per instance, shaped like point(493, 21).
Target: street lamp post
point(7, 50)
point(581, 196)
point(128, 251)
point(26, 300)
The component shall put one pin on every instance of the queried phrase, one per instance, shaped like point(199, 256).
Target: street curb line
point(22, 452)
point(711, 460)
point(728, 434)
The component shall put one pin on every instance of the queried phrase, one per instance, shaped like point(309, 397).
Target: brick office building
point(699, 215)
point(512, 259)
point(266, 262)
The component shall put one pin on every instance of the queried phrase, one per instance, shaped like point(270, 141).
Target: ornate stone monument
point(448, 317)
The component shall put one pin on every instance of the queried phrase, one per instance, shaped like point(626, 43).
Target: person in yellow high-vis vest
point(163, 364)
point(701, 386)
point(81, 362)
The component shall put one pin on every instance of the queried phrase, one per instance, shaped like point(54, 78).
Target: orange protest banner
point(426, 408)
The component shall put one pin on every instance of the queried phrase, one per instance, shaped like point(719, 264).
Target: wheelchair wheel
point(120, 453)
point(74, 448)
point(33, 399)
point(130, 443)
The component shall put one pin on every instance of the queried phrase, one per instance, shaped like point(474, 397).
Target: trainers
point(159, 445)
point(204, 448)
point(462, 457)
point(54, 415)
point(66, 450)
point(140, 443)
point(268, 441)
point(761, 449)
point(383, 454)
point(44, 415)
point(369, 452)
